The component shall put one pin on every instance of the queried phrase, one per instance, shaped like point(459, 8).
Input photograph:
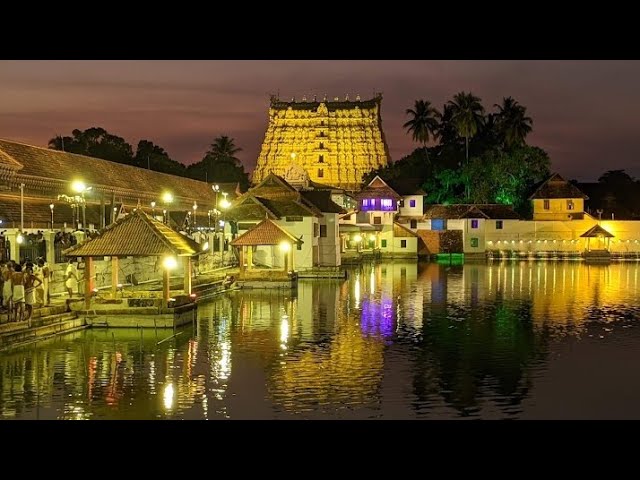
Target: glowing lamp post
point(224, 204)
point(285, 248)
point(79, 187)
point(167, 199)
point(153, 210)
point(168, 263)
point(51, 205)
point(195, 207)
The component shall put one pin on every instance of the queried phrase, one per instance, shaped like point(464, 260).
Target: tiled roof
point(102, 174)
point(400, 231)
point(272, 197)
point(264, 233)
point(321, 199)
point(407, 186)
point(38, 213)
point(377, 188)
point(136, 235)
point(456, 211)
point(597, 231)
point(557, 187)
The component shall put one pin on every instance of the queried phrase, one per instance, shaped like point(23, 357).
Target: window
point(321, 145)
point(323, 230)
point(403, 244)
point(412, 203)
point(401, 203)
point(438, 224)
point(321, 159)
point(322, 134)
point(498, 224)
point(414, 223)
point(322, 123)
point(365, 202)
point(474, 223)
point(320, 172)
point(383, 243)
point(546, 204)
point(316, 231)
point(377, 220)
point(474, 242)
point(569, 204)
point(299, 245)
point(294, 219)
point(386, 203)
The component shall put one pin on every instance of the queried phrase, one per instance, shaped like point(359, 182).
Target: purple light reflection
point(376, 319)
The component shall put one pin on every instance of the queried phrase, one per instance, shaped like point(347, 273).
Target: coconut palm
point(423, 123)
point(512, 122)
point(467, 115)
point(223, 149)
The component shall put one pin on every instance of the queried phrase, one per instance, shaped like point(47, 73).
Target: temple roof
point(264, 233)
point(377, 188)
point(102, 174)
point(457, 211)
point(136, 235)
point(557, 187)
point(597, 231)
point(322, 200)
point(332, 105)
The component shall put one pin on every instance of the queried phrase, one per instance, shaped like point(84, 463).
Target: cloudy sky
point(586, 113)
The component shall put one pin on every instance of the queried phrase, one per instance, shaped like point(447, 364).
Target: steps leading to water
point(45, 323)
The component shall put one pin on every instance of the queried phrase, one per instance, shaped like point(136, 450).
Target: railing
point(33, 251)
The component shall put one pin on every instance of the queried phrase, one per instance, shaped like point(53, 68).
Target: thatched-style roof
point(377, 188)
point(264, 233)
point(457, 211)
point(557, 187)
point(136, 235)
point(597, 231)
point(103, 175)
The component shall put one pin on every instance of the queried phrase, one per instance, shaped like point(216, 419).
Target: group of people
point(24, 285)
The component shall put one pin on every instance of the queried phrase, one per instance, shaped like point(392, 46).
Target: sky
point(586, 113)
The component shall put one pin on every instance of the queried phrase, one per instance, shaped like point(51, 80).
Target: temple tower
point(335, 142)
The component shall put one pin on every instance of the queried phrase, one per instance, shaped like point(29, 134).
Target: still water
point(393, 341)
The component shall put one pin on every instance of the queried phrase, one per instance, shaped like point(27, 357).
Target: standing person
point(31, 282)
point(46, 279)
point(71, 278)
point(37, 271)
point(17, 281)
point(7, 291)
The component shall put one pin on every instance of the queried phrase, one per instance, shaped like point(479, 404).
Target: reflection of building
point(334, 142)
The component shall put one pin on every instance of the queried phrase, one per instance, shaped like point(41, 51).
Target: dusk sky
point(586, 113)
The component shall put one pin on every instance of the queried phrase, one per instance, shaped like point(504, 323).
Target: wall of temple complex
point(335, 142)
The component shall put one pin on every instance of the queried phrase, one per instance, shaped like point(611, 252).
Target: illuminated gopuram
point(329, 142)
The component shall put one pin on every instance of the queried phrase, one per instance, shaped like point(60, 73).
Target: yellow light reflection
point(168, 396)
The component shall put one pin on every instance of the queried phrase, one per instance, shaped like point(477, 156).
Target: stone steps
point(20, 333)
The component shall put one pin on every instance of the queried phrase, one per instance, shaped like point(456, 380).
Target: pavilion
point(266, 233)
point(137, 235)
point(604, 238)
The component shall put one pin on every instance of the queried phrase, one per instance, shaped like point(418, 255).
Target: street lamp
point(51, 205)
point(224, 204)
point(195, 207)
point(153, 209)
point(115, 213)
point(167, 198)
point(79, 186)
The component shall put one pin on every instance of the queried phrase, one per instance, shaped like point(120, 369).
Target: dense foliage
point(219, 163)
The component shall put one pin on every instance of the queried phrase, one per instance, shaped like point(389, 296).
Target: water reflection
point(395, 340)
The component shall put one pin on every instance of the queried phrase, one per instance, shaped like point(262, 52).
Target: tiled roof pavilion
point(136, 235)
point(264, 233)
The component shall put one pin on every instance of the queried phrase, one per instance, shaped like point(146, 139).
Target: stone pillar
point(165, 286)
point(114, 276)
point(12, 238)
point(187, 275)
point(49, 241)
point(79, 236)
point(243, 253)
point(249, 257)
point(89, 276)
point(286, 261)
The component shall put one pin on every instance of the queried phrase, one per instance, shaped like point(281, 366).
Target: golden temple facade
point(329, 142)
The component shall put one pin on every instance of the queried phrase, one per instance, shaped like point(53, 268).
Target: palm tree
point(512, 123)
point(223, 149)
point(467, 115)
point(423, 122)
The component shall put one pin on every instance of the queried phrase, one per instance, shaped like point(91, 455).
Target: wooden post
point(165, 286)
point(89, 282)
point(187, 275)
point(249, 257)
point(243, 252)
point(114, 276)
point(102, 217)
